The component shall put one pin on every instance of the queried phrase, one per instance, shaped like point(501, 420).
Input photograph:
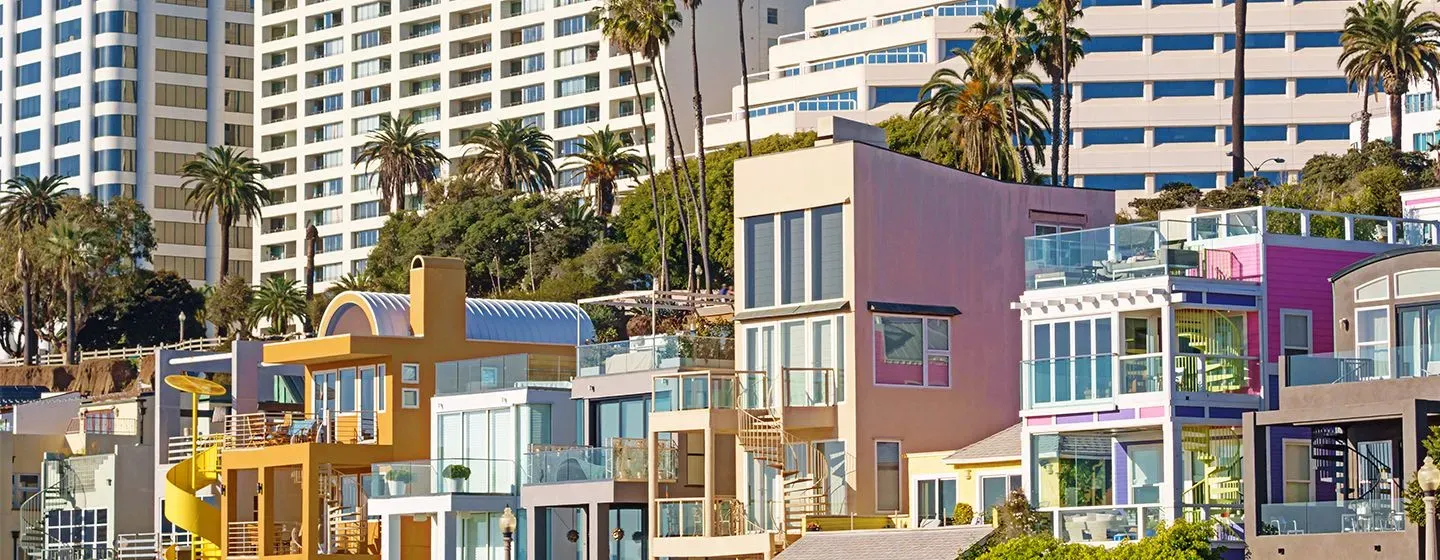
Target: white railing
point(266, 429)
point(1314, 223)
point(178, 447)
point(57, 359)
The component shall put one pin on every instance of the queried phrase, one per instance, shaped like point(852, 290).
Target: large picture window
point(912, 351)
point(1070, 361)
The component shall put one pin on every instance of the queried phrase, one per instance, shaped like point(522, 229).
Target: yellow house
point(979, 475)
point(295, 485)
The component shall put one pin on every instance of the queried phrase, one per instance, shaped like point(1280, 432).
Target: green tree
point(605, 160)
point(621, 24)
point(277, 300)
point(228, 307)
point(1004, 52)
point(510, 154)
point(27, 205)
point(147, 313)
point(701, 204)
point(1058, 47)
point(1362, 69)
point(365, 281)
point(1395, 41)
point(225, 183)
point(402, 154)
point(70, 249)
point(1243, 193)
point(906, 134)
point(1169, 197)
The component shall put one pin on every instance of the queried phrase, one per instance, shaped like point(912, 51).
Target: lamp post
point(1254, 168)
point(182, 326)
point(507, 529)
point(1429, 479)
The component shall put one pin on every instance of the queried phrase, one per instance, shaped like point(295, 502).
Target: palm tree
point(402, 156)
point(973, 112)
point(362, 282)
point(71, 250)
point(1004, 52)
point(28, 204)
point(225, 182)
point(1237, 95)
point(510, 154)
point(744, 73)
point(1057, 57)
point(702, 206)
point(277, 300)
point(625, 24)
point(605, 159)
point(1394, 44)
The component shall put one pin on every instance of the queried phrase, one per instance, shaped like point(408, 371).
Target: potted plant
point(397, 480)
point(457, 474)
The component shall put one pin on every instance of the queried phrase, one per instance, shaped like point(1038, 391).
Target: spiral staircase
point(1218, 449)
point(186, 510)
point(35, 542)
point(762, 434)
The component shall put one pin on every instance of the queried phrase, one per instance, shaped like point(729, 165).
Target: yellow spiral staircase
point(1211, 333)
point(1218, 450)
point(187, 511)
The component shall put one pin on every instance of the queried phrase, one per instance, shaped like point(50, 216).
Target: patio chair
point(302, 431)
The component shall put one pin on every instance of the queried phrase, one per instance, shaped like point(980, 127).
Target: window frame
point(410, 373)
point(1285, 480)
point(926, 352)
point(899, 474)
point(1309, 316)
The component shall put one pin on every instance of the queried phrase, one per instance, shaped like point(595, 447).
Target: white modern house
point(119, 95)
point(328, 71)
point(1151, 97)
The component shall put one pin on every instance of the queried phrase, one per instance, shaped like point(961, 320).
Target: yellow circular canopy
point(195, 385)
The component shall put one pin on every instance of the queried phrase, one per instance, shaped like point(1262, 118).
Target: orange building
point(295, 485)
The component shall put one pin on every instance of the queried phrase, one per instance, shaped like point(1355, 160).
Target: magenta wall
point(1300, 279)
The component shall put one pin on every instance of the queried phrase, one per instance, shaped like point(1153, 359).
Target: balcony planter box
point(397, 481)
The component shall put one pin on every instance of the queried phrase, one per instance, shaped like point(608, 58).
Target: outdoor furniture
point(302, 431)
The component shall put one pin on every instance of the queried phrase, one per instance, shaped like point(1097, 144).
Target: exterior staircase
point(59, 494)
point(346, 526)
point(1329, 451)
point(1211, 333)
point(763, 435)
point(185, 509)
point(1219, 450)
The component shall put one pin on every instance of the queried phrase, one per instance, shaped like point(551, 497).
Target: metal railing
point(1216, 374)
point(56, 359)
point(624, 460)
point(1314, 223)
point(266, 429)
point(653, 353)
point(103, 425)
point(1331, 516)
point(1143, 373)
point(178, 447)
point(499, 373)
point(442, 476)
point(685, 517)
point(242, 539)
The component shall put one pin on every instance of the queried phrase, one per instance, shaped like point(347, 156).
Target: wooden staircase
point(345, 520)
point(763, 435)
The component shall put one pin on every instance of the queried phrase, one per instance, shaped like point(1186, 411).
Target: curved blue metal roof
point(497, 320)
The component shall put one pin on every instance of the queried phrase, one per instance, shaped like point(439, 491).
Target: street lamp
point(1254, 168)
point(182, 326)
point(1429, 479)
point(507, 529)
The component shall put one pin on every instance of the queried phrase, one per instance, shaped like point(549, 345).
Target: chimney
point(835, 130)
point(437, 296)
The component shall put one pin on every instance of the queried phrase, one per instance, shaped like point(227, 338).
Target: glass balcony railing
point(685, 517)
point(654, 353)
point(624, 460)
point(695, 391)
point(1065, 381)
point(498, 373)
point(791, 387)
point(1367, 364)
point(1217, 374)
point(442, 476)
point(1122, 252)
point(1083, 379)
point(1332, 516)
point(1142, 374)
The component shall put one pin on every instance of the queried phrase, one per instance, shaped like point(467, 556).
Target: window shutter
point(792, 248)
point(828, 252)
point(760, 261)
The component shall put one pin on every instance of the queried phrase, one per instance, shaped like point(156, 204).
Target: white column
point(1173, 471)
point(390, 537)
point(444, 536)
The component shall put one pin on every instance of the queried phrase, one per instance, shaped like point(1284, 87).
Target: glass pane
point(1409, 356)
point(1371, 326)
point(1040, 342)
point(938, 333)
point(925, 492)
point(992, 494)
point(347, 390)
point(1147, 472)
point(1297, 331)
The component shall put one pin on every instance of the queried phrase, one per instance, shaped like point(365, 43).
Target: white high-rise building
point(329, 70)
point(1419, 120)
point(118, 95)
point(1151, 97)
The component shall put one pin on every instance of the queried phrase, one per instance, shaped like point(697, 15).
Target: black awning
point(912, 308)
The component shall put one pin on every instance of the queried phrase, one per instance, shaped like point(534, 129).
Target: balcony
point(96, 424)
point(685, 517)
point(1080, 380)
point(442, 476)
point(1358, 366)
point(656, 353)
point(1332, 516)
point(417, 4)
point(499, 373)
point(269, 429)
point(624, 460)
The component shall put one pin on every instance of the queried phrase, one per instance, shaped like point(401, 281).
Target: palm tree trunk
point(1365, 117)
point(664, 276)
point(1237, 101)
point(1064, 129)
point(702, 207)
point(1055, 87)
point(225, 246)
point(744, 74)
point(71, 355)
point(312, 236)
point(1026, 170)
point(27, 323)
point(677, 168)
point(1397, 100)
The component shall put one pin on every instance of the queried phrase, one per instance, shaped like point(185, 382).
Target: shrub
point(964, 514)
point(458, 472)
point(398, 475)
